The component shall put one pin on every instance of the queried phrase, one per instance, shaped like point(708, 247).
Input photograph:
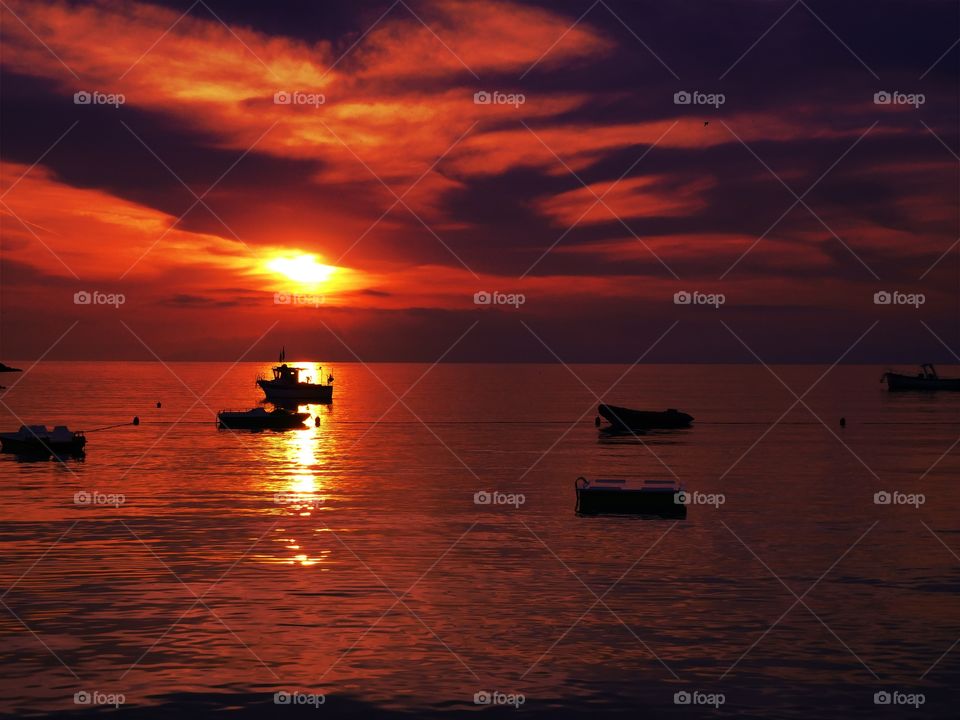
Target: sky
point(423, 180)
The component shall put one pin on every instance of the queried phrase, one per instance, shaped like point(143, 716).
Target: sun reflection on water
point(304, 455)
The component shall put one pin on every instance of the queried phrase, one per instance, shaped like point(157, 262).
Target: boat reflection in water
point(303, 489)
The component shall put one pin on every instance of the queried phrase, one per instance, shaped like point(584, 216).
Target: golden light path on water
point(302, 490)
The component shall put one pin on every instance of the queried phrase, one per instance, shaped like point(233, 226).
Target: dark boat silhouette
point(7, 368)
point(927, 379)
point(618, 497)
point(625, 420)
point(260, 419)
point(286, 384)
point(38, 440)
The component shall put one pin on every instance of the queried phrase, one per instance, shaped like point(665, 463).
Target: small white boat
point(37, 439)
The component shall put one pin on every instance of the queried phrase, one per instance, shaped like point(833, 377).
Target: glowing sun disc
point(302, 269)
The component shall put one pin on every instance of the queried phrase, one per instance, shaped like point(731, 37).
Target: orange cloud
point(646, 196)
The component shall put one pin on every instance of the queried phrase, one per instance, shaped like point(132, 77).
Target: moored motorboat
point(624, 419)
point(926, 379)
point(286, 384)
point(622, 497)
point(37, 439)
point(260, 419)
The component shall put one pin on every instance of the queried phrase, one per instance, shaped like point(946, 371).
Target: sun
point(305, 269)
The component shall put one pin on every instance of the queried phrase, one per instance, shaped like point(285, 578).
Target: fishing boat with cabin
point(287, 385)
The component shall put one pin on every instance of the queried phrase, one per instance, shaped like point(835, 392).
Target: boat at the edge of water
point(662, 498)
point(926, 379)
point(260, 419)
point(37, 439)
point(286, 384)
point(624, 419)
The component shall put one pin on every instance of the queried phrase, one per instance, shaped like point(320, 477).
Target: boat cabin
point(286, 375)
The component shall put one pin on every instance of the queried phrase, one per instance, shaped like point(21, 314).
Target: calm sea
point(185, 569)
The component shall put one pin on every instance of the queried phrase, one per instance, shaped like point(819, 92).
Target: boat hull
point(34, 446)
point(898, 383)
point(625, 419)
point(301, 391)
point(610, 501)
point(261, 423)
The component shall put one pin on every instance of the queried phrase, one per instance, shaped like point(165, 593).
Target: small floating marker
point(843, 422)
point(158, 403)
point(316, 421)
point(596, 421)
point(136, 419)
point(706, 122)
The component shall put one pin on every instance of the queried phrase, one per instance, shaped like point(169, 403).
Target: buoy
point(158, 403)
point(316, 421)
point(596, 421)
point(136, 420)
point(843, 422)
